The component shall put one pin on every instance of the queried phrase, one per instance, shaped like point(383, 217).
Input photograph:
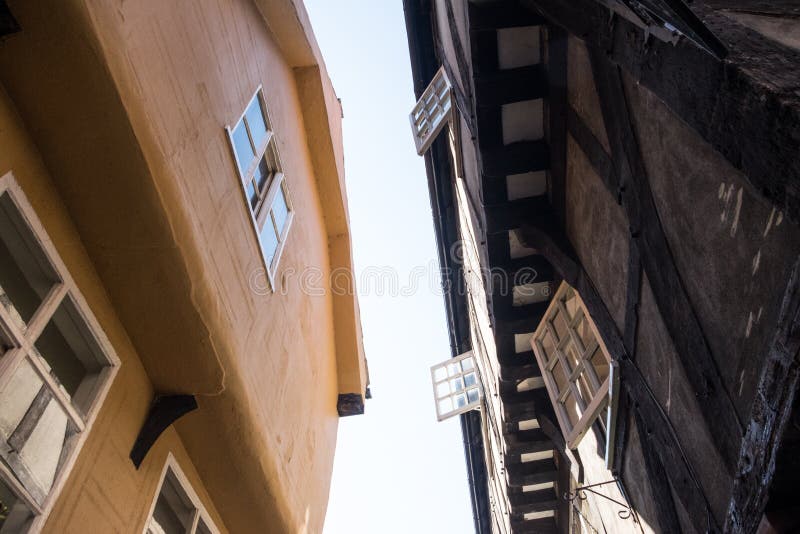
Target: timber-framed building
point(621, 182)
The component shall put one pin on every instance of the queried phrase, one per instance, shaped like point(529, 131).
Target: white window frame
point(604, 392)
point(432, 111)
point(171, 465)
point(261, 214)
point(23, 341)
point(451, 373)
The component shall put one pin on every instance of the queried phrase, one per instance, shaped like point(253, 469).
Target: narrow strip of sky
point(396, 469)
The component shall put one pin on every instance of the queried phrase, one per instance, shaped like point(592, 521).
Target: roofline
point(424, 64)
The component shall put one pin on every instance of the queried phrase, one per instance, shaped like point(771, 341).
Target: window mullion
point(45, 312)
point(56, 388)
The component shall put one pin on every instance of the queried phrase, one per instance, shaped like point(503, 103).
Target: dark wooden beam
point(511, 85)
point(500, 218)
point(769, 416)
point(546, 525)
point(166, 409)
point(518, 373)
point(350, 404)
point(670, 294)
point(501, 14)
point(529, 508)
point(633, 296)
point(591, 147)
point(657, 476)
point(8, 24)
point(516, 158)
point(751, 91)
point(657, 430)
point(557, 118)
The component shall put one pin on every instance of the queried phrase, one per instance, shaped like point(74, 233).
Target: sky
point(396, 468)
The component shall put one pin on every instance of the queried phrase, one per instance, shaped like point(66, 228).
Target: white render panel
point(528, 184)
point(531, 293)
point(540, 515)
point(534, 382)
point(536, 456)
point(523, 121)
point(518, 47)
point(538, 487)
point(522, 342)
point(529, 424)
point(518, 250)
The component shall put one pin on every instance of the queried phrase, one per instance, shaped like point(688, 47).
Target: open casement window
point(55, 366)
point(575, 364)
point(177, 508)
point(432, 111)
point(456, 387)
point(265, 192)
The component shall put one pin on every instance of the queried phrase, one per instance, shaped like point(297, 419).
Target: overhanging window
point(177, 508)
point(456, 387)
point(55, 366)
point(264, 186)
point(432, 111)
point(575, 364)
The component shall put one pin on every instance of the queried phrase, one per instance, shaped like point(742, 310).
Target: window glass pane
point(72, 353)
point(202, 528)
point(440, 374)
point(585, 388)
point(585, 333)
point(560, 377)
point(466, 364)
point(17, 396)
point(461, 400)
point(571, 303)
point(41, 451)
point(560, 326)
point(600, 364)
point(548, 346)
point(173, 512)
point(456, 384)
point(572, 356)
point(269, 241)
point(252, 194)
point(33, 429)
point(453, 369)
point(472, 395)
point(15, 516)
point(442, 389)
point(445, 405)
point(5, 342)
point(280, 210)
point(244, 150)
point(25, 274)
point(255, 120)
point(262, 174)
point(572, 409)
point(470, 379)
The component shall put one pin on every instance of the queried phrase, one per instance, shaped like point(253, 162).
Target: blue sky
point(396, 468)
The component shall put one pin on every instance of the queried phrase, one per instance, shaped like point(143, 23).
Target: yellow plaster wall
point(104, 492)
point(171, 76)
point(184, 71)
